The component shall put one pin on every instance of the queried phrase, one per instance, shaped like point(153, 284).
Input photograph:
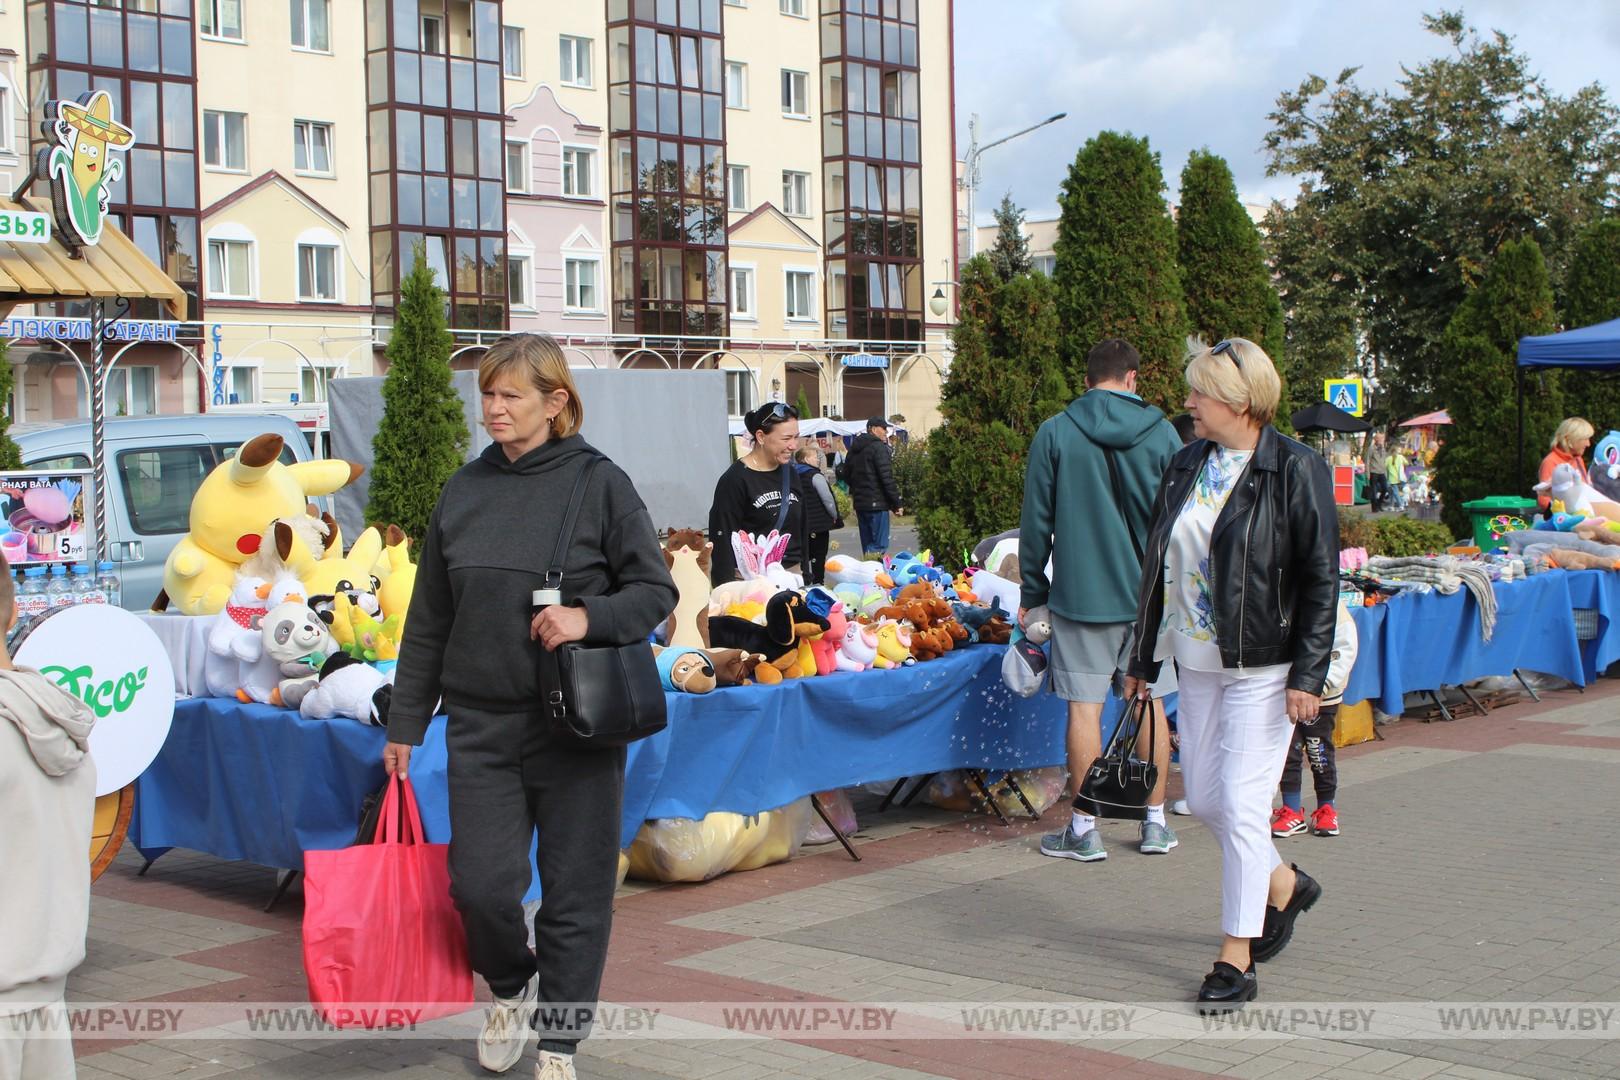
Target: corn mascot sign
point(80, 167)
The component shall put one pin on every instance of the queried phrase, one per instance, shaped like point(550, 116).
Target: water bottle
point(59, 593)
point(86, 589)
point(31, 599)
point(111, 587)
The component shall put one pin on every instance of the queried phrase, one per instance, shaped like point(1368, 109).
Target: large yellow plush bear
point(229, 514)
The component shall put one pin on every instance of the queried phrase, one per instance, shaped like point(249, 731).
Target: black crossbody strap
point(1113, 479)
point(565, 537)
point(787, 494)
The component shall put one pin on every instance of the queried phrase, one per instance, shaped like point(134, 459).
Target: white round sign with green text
point(110, 660)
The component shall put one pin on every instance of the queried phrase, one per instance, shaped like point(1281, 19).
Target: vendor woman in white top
point(1238, 587)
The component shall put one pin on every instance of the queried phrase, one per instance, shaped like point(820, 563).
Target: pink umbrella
point(1428, 419)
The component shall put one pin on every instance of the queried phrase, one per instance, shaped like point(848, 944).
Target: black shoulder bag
point(1119, 783)
point(601, 695)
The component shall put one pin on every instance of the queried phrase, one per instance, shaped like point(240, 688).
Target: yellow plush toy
point(395, 592)
point(374, 640)
point(349, 577)
point(229, 514)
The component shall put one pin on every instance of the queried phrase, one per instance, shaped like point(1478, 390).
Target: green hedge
point(1393, 536)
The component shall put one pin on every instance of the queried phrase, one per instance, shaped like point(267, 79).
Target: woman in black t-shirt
point(748, 496)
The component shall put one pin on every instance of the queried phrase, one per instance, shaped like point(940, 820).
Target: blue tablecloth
point(1422, 641)
point(263, 784)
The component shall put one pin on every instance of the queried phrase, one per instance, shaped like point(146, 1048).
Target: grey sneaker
point(507, 1023)
point(1157, 839)
point(1066, 845)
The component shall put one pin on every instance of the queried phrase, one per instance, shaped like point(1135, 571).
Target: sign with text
point(42, 518)
point(79, 329)
point(1347, 394)
point(25, 226)
point(865, 360)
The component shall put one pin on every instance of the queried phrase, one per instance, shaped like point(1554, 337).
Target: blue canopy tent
point(1593, 348)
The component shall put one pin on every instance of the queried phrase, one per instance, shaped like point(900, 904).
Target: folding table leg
point(977, 785)
point(918, 790)
point(1034, 815)
point(1445, 713)
point(281, 888)
point(1517, 674)
point(888, 799)
point(815, 804)
point(1483, 709)
point(145, 866)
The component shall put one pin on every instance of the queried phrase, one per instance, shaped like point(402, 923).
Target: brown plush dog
point(733, 667)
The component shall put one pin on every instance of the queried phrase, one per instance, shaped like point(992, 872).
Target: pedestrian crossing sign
point(1347, 394)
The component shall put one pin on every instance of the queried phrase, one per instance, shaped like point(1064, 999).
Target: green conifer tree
point(1479, 457)
point(1010, 253)
point(1116, 272)
point(422, 438)
point(1592, 295)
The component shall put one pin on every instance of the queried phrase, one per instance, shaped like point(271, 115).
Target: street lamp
point(970, 173)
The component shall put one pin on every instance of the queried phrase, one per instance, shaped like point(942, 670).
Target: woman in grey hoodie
point(474, 640)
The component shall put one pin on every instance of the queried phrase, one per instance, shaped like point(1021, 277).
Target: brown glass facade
point(437, 148)
point(666, 165)
point(143, 55)
point(872, 169)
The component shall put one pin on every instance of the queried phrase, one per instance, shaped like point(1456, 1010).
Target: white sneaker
point(506, 1028)
point(554, 1066)
point(1180, 807)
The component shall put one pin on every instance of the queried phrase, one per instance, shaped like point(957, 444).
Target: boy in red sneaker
point(1314, 742)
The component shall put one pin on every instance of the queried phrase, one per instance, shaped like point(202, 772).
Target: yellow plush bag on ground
point(1354, 724)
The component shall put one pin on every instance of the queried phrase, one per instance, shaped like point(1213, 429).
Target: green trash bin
point(1482, 511)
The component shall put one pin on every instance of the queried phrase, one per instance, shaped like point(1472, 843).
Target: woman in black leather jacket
point(1239, 587)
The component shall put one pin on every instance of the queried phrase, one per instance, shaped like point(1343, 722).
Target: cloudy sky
point(1191, 74)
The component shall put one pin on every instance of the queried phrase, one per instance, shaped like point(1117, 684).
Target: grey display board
point(666, 429)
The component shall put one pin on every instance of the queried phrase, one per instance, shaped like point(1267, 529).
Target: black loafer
point(1280, 923)
point(1226, 988)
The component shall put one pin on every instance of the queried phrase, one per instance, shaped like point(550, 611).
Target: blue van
point(154, 466)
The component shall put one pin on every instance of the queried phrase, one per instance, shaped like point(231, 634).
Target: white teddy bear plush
point(297, 639)
point(227, 636)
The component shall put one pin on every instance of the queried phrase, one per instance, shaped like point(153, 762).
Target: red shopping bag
point(383, 944)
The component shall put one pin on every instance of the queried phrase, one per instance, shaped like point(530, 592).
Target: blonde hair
point(539, 360)
point(1569, 431)
point(1241, 377)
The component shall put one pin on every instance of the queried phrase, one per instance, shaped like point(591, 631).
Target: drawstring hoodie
point(55, 724)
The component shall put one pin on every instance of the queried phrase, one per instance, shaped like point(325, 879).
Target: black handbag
point(1119, 783)
point(599, 695)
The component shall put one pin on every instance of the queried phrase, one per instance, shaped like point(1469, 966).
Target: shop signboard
point(42, 516)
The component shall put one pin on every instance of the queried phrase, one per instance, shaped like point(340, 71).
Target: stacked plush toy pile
point(297, 619)
point(769, 627)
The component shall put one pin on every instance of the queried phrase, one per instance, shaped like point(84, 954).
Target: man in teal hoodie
point(1093, 473)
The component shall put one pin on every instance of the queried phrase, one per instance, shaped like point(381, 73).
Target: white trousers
point(1234, 741)
point(25, 1055)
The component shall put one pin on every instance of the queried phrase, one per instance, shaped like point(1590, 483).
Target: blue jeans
point(874, 531)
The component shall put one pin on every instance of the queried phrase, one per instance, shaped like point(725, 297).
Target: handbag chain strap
point(554, 578)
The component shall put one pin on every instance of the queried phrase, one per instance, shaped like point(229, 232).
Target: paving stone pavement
point(1475, 867)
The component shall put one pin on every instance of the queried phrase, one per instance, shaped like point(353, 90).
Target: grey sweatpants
point(510, 775)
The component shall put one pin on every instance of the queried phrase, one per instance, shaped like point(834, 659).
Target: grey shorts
point(1086, 658)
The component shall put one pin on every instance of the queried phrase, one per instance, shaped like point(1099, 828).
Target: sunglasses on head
point(1228, 349)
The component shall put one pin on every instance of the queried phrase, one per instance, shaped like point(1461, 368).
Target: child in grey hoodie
point(47, 804)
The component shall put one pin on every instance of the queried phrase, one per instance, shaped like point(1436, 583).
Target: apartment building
point(766, 187)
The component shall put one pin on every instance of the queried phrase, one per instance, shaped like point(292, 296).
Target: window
point(578, 171)
point(736, 85)
point(1044, 264)
point(311, 29)
point(512, 52)
point(795, 193)
point(132, 391)
point(225, 140)
point(312, 383)
point(737, 187)
point(433, 34)
point(739, 393)
point(220, 18)
point(241, 385)
point(736, 3)
point(742, 292)
point(317, 272)
point(801, 294)
point(230, 269)
point(793, 7)
point(517, 166)
point(519, 273)
point(795, 94)
point(6, 120)
point(579, 280)
point(312, 147)
point(576, 61)
point(159, 484)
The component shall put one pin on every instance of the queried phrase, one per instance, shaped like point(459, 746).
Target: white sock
point(1083, 823)
point(1155, 814)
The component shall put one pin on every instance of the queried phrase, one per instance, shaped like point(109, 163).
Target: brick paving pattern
point(1474, 866)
